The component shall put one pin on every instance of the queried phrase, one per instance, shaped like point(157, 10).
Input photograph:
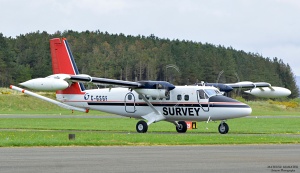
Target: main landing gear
point(141, 127)
point(181, 127)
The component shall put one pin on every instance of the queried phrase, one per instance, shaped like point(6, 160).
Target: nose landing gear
point(223, 128)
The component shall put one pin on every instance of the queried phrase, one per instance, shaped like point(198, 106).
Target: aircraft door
point(129, 102)
point(203, 101)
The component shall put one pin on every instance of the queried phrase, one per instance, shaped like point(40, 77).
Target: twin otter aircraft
point(148, 100)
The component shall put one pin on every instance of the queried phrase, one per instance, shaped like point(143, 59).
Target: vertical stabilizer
point(64, 63)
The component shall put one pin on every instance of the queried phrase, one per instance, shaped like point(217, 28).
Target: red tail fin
point(63, 63)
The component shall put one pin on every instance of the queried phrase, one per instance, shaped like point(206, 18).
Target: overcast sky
point(267, 27)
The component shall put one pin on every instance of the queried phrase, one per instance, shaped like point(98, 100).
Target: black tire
point(141, 127)
point(223, 128)
point(182, 127)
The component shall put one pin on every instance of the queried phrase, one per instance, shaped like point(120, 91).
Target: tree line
point(136, 58)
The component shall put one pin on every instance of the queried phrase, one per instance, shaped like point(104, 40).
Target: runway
point(173, 159)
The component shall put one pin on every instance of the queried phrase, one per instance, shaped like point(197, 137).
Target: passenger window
point(179, 97)
point(129, 97)
point(186, 97)
point(153, 98)
point(140, 97)
point(168, 98)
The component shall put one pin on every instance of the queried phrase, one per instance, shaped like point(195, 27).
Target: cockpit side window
point(202, 94)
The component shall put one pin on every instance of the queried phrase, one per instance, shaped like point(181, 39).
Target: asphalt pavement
point(166, 159)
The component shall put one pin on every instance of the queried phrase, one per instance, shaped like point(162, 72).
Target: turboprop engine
point(159, 89)
point(159, 93)
point(269, 92)
point(46, 84)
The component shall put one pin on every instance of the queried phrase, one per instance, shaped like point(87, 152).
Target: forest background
point(136, 58)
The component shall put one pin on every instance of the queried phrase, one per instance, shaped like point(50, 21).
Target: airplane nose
point(238, 109)
point(243, 109)
point(246, 111)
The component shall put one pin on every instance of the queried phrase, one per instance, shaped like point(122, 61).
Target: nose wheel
point(223, 128)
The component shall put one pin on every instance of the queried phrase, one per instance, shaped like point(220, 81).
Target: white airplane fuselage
point(184, 104)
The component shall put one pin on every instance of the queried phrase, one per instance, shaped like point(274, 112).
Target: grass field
point(121, 131)
point(100, 131)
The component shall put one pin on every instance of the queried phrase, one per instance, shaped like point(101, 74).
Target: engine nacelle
point(159, 93)
point(46, 84)
point(59, 76)
point(267, 92)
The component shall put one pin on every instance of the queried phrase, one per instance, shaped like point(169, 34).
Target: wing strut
point(48, 99)
point(154, 116)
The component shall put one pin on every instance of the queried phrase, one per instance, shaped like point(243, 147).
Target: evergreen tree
point(140, 58)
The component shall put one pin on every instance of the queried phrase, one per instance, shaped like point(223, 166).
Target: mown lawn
point(121, 131)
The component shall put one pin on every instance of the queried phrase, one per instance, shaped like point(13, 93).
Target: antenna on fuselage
point(202, 83)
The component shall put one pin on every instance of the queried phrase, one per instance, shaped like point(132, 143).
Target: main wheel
point(182, 127)
point(223, 128)
point(141, 127)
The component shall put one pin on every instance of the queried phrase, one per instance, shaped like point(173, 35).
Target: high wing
point(248, 84)
point(95, 80)
point(152, 88)
point(133, 85)
point(62, 81)
point(259, 89)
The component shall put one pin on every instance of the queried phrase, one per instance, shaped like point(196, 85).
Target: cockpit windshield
point(207, 93)
point(212, 92)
